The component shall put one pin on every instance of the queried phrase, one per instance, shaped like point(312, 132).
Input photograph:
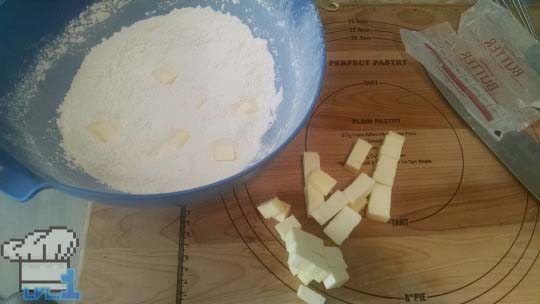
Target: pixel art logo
point(44, 266)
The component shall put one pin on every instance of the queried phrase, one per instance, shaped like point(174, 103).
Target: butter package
point(484, 64)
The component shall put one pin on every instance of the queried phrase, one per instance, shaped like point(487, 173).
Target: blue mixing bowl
point(43, 43)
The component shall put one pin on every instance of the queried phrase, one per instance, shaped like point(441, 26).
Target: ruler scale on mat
point(518, 151)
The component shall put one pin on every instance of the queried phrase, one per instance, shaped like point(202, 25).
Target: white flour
point(218, 61)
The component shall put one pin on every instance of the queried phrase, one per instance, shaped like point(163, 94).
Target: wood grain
point(131, 256)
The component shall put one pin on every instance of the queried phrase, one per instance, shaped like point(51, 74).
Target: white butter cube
point(309, 296)
point(360, 188)
point(321, 181)
point(358, 155)
point(392, 145)
point(165, 75)
point(321, 272)
point(311, 161)
point(102, 130)
point(224, 152)
point(297, 240)
point(385, 171)
point(341, 226)
point(396, 135)
point(334, 257)
point(295, 271)
point(176, 141)
point(305, 259)
point(358, 206)
point(280, 217)
point(331, 207)
point(304, 278)
point(378, 208)
point(337, 277)
point(314, 198)
point(318, 270)
point(286, 225)
point(272, 208)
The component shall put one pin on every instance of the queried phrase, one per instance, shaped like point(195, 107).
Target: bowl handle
point(16, 181)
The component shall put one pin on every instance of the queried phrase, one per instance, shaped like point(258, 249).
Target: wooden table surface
point(463, 229)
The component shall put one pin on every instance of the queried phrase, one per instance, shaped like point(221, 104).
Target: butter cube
point(331, 207)
point(321, 272)
point(165, 75)
point(200, 102)
point(304, 278)
point(360, 188)
point(385, 171)
point(358, 206)
point(102, 130)
point(334, 257)
point(297, 240)
point(341, 226)
point(246, 107)
point(305, 260)
point(309, 296)
point(396, 135)
point(294, 271)
point(314, 198)
point(272, 208)
point(224, 152)
point(311, 162)
point(286, 225)
point(392, 145)
point(321, 181)
point(358, 155)
point(378, 208)
point(176, 141)
point(283, 215)
point(337, 277)
point(317, 272)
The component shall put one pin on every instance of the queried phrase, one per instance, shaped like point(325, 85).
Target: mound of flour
point(218, 64)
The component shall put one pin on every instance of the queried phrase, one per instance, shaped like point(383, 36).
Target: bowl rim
point(154, 196)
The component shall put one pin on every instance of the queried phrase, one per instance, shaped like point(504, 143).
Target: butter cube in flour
point(177, 140)
point(286, 225)
point(360, 188)
point(321, 181)
point(392, 145)
point(246, 107)
point(314, 199)
point(272, 208)
point(102, 130)
point(224, 152)
point(358, 155)
point(309, 296)
point(297, 239)
point(311, 161)
point(331, 207)
point(385, 170)
point(378, 208)
point(165, 75)
point(341, 226)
